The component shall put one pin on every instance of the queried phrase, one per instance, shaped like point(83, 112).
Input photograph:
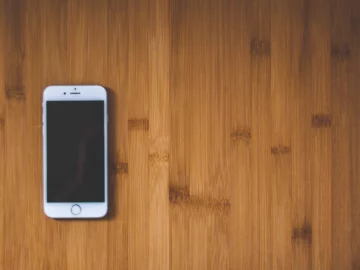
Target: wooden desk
point(234, 132)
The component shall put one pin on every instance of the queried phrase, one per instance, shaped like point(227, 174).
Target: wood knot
point(138, 124)
point(321, 120)
point(280, 150)
point(181, 197)
point(241, 135)
point(178, 195)
point(303, 233)
point(158, 157)
point(121, 167)
point(260, 47)
point(17, 93)
point(340, 52)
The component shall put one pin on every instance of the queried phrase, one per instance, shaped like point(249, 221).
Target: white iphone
point(75, 151)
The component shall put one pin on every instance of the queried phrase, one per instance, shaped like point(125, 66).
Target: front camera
point(64, 93)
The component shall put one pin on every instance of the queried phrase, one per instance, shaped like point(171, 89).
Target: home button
point(76, 209)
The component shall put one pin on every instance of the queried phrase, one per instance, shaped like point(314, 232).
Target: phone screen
point(75, 145)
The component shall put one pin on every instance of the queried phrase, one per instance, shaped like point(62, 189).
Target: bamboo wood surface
point(234, 132)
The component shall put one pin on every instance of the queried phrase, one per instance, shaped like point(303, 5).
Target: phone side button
point(76, 209)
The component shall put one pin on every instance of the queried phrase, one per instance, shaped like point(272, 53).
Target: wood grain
point(341, 163)
point(2, 137)
point(159, 136)
point(354, 131)
point(117, 82)
point(233, 136)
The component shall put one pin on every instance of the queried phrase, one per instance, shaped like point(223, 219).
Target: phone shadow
point(112, 146)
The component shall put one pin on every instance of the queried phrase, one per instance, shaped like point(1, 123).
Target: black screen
point(75, 151)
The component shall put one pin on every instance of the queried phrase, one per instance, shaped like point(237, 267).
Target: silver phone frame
point(62, 93)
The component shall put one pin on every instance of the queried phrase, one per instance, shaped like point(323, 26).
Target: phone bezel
point(86, 92)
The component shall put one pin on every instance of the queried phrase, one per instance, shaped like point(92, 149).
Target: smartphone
point(75, 154)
